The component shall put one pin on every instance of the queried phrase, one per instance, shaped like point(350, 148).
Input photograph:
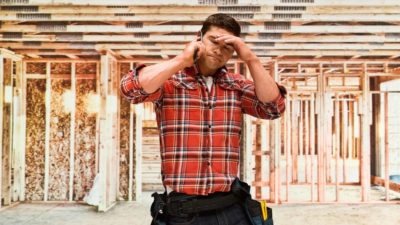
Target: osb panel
point(60, 123)
point(36, 68)
point(85, 140)
point(35, 133)
point(86, 68)
point(124, 141)
point(124, 148)
point(60, 68)
point(125, 67)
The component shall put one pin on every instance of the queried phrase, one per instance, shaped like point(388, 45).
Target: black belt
point(184, 204)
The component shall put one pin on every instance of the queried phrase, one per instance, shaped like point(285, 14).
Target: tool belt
point(177, 204)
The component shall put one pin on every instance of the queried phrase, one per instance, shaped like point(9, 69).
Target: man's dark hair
point(222, 21)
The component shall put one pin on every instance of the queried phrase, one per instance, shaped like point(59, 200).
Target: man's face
point(216, 53)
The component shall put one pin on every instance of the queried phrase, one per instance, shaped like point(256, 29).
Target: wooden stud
point(295, 134)
point(387, 161)
point(131, 133)
point(312, 142)
point(23, 131)
point(1, 125)
point(337, 145)
point(321, 137)
point(18, 131)
point(345, 129)
point(276, 157)
point(97, 119)
point(307, 137)
point(365, 139)
point(288, 142)
point(138, 151)
point(258, 160)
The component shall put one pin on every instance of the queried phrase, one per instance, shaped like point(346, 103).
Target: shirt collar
point(194, 72)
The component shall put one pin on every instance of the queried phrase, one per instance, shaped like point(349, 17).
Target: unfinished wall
point(35, 132)
point(60, 123)
point(85, 131)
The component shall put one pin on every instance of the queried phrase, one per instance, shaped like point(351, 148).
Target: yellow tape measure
point(264, 210)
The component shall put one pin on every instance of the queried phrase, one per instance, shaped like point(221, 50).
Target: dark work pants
point(232, 215)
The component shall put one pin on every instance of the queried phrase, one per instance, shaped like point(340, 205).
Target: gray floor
point(137, 214)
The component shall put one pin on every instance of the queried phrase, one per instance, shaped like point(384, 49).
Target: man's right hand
point(189, 51)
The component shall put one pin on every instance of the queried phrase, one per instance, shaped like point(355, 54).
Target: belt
point(184, 204)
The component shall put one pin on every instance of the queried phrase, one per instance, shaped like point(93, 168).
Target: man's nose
point(218, 50)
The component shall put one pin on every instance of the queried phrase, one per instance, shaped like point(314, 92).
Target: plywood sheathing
point(124, 140)
point(85, 133)
point(35, 133)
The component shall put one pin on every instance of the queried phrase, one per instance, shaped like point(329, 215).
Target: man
point(199, 107)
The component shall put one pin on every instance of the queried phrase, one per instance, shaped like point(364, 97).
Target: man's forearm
point(266, 88)
point(152, 77)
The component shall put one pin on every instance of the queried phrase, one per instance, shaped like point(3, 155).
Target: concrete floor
point(130, 213)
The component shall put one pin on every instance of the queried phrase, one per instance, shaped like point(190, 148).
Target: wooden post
point(307, 137)
point(104, 139)
point(345, 129)
point(138, 151)
point(23, 131)
point(312, 142)
point(258, 154)
point(72, 133)
point(288, 142)
point(47, 131)
point(387, 146)
point(130, 179)
point(276, 157)
point(266, 145)
point(351, 129)
point(18, 134)
point(337, 145)
point(97, 119)
point(328, 135)
point(1, 124)
point(295, 135)
point(321, 137)
point(365, 138)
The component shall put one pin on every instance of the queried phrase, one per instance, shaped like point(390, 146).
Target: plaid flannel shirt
point(200, 130)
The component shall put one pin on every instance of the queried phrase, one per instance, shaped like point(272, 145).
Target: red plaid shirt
point(200, 130)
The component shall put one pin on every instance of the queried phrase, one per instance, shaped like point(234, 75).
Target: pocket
point(259, 215)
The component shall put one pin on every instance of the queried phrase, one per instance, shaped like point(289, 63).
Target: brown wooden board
point(124, 141)
point(35, 135)
point(59, 156)
point(60, 68)
point(36, 68)
point(85, 140)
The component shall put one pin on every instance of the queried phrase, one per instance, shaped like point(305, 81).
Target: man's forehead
point(214, 31)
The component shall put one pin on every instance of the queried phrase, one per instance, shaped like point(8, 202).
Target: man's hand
point(243, 51)
point(189, 51)
point(266, 89)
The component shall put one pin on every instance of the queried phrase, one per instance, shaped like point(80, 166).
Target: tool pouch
point(158, 209)
point(259, 212)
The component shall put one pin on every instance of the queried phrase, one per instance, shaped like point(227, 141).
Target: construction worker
point(199, 107)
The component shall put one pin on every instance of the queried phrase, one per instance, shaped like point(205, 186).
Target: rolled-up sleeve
point(132, 90)
point(253, 106)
